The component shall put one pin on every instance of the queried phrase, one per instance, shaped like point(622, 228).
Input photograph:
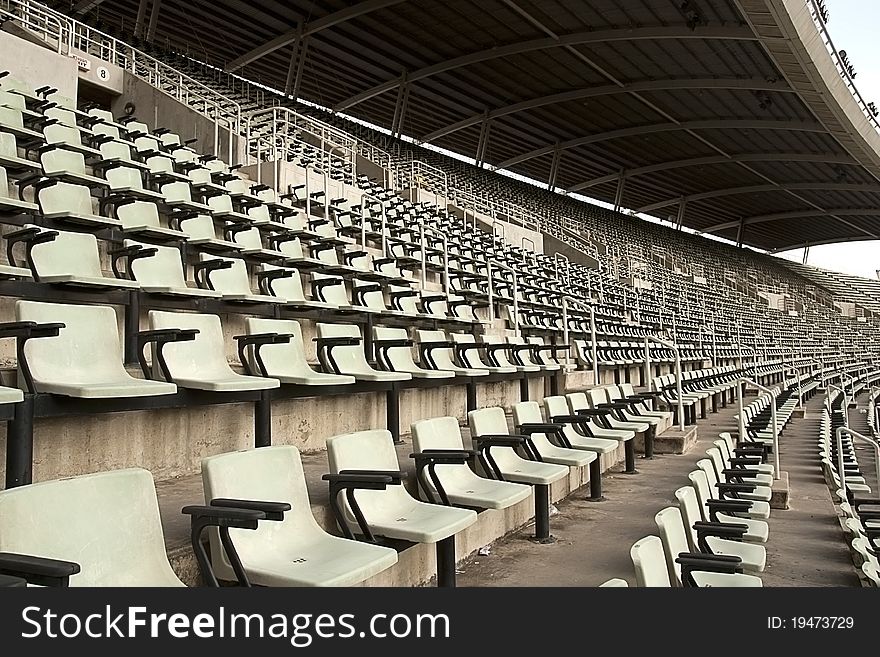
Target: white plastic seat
point(128, 181)
point(501, 358)
point(200, 231)
point(221, 208)
point(332, 291)
point(107, 522)
point(69, 165)
point(758, 530)
point(85, 359)
point(9, 156)
point(71, 259)
point(512, 467)
point(141, 218)
point(288, 288)
point(462, 485)
point(556, 406)
point(251, 243)
point(674, 540)
point(753, 556)
point(627, 390)
point(725, 437)
point(596, 397)
point(760, 496)
point(178, 195)
point(73, 203)
point(579, 400)
point(613, 395)
point(349, 358)
point(472, 356)
point(201, 363)
point(69, 137)
point(400, 358)
point(523, 351)
point(233, 282)
point(529, 412)
point(162, 273)
point(443, 357)
point(759, 479)
point(287, 362)
point(393, 512)
point(615, 582)
point(295, 551)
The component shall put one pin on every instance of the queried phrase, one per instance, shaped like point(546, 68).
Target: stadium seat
point(365, 466)
point(290, 549)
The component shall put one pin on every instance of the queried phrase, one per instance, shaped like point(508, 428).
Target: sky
point(853, 27)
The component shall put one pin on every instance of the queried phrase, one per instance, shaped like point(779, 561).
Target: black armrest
point(219, 516)
point(202, 271)
point(160, 338)
point(387, 344)
point(732, 506)
point(29, 330)
point(271, 510)
point(38, 570)
point(499, 440)
point(739, 473)
point(593, 412)
point(734, 531)
point(357, 479)
point(528, 428)
point(443, 456)
point(743, 462)
point(337, 342)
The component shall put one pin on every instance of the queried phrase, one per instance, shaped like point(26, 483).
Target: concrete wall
point(553, 245)
point(158, 109)
point(37, 65)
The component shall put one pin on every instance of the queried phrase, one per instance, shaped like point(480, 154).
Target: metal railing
point(842, 68)
point(841, 472)
point(369, 197)
point(514, 292)
point(427, 229)
point(647, 372)
point(773, 422)
point(73, 35)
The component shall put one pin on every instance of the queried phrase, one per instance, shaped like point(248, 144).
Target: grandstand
point(279, 314)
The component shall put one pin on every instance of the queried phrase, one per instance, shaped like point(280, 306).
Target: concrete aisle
point(806, 546)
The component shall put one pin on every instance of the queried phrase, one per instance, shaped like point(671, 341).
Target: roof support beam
point(621, 188)
point(755, 84)
point(483, 142)
point(334, 18)
point(797, 214)
point(154, 19)
point(141, 17)
point(554, 167)
point(736, 33)
point(718, 159)
point(756, 189)
point(637, 131)
point(400, 107)
point(739, 232)
point(83, 6)
point(682, 207)
point(294, 61)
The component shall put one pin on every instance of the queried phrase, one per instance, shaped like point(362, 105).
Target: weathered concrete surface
point(805, 546)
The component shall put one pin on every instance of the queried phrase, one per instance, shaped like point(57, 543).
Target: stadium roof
point(732, 112)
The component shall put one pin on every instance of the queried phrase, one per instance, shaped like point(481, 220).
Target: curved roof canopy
point(728, 113)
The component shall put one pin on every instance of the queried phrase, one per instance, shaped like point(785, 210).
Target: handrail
point(797, 373)
point(742, 420)
point(522, 244)
point(515, 293)
point(364, 197)
point(845, 402)
point(841, 473)
point(674, 347)
point(422, 230)
point(838, 62)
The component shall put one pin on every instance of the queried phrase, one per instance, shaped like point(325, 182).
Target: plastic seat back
point(493, 421)
point(68, 254)
point(201, 359)
point(163, 269)
point(87, 350)
point(700, 483)
point(350, 359)
point(288, 288)
point(400, 358)
point(334, 293)
point(60, 160)
point(672, 533)
point(649, 563)
point(269, 473)
point(107, 522)
point(370, 450)
point(138, 213)
point(287, 359)
point(65, 198)
point(231, 281)
point(125, 177)
point(200, 227)
point(690, 513)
